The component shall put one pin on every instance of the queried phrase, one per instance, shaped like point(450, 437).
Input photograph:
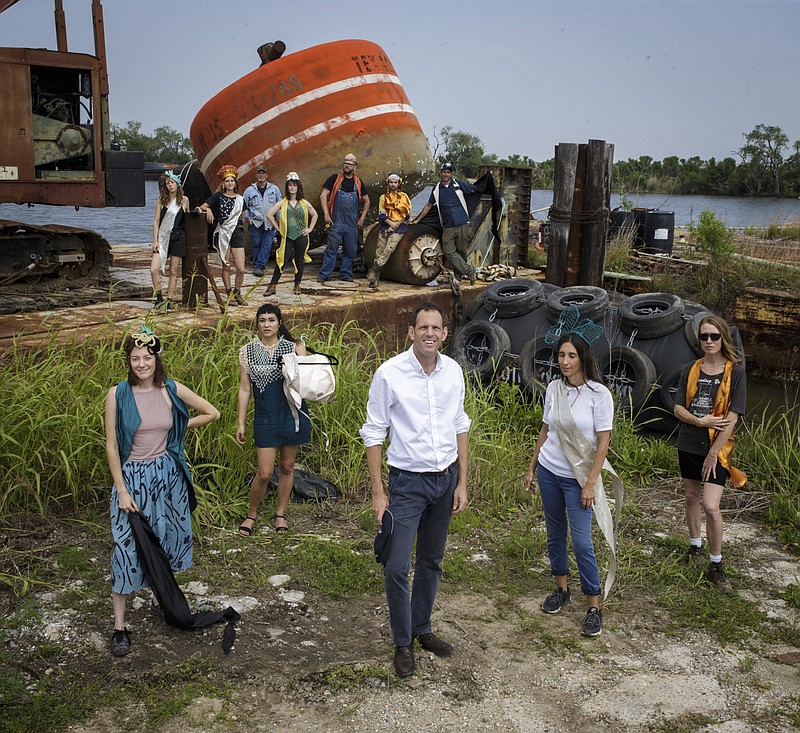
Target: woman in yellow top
point(297, 220)
point(711, 396)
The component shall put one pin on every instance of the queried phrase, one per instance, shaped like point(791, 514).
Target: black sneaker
point(121, 643)
point(592, 623)
point(695, 554)
point(556, 600)
point(716, 574)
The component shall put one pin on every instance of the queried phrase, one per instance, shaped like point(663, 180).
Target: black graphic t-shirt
point(694, 439)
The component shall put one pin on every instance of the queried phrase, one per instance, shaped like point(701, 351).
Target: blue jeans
point(261, 240)
point(561, 499)
point(421, 505)
point(344, 233)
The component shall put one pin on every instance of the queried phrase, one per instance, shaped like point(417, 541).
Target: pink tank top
point(150, 440)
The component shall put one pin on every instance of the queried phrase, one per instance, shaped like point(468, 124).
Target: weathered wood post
point(194, 290)
point(579, 215)
point(514, 185)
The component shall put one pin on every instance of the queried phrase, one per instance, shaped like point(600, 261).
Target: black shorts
point(692, 468)
point(177, 243)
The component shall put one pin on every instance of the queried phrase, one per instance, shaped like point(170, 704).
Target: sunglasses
point(710, 336)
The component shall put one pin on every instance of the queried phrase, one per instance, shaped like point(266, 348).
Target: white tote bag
point(309, 378)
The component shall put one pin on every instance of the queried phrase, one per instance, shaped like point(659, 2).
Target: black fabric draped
point(156, 567)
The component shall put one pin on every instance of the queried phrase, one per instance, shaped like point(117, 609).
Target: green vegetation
point(53, 462)
point(165, 145)
point(763, 168)
point(712, 235)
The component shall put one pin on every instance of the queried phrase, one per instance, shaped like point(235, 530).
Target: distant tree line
point(767, 166)
point(165, 145)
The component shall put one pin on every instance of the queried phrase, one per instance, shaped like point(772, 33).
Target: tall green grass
point(53, 445)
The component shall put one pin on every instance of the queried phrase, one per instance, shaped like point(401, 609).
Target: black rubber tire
point(480, 347)
point(669, 387)
point(538, 363)
point(590, 301)
point(651, 315)
point(512, 298)
point(629, 374)
point(473, 306)
point(692, 328)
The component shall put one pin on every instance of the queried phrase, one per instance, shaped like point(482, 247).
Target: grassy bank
point(56, 485)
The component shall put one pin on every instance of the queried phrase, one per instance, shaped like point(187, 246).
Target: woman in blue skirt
point(274, 424)
point(146, 420)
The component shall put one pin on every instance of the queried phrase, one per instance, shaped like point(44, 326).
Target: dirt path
point(304, 664)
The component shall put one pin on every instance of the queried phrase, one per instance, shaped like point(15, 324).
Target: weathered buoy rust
point(306, 110)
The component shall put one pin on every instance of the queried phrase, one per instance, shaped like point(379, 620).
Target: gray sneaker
point(592, 623)
point(556, 600)
point(716, 574)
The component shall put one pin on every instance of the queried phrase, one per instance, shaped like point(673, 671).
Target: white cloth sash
point(225, 229)
point(164, 230)
point(580, 454)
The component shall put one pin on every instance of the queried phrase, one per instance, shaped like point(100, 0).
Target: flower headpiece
point(174, 177)
point(228, 170)
point(146, 338)
point(292, 176)
point(570, 322)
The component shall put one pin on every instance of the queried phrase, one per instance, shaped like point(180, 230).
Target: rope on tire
point(492, 273)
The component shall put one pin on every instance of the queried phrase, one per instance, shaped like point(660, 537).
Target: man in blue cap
point(259, 198)
point(418, 397)
point(448, 197)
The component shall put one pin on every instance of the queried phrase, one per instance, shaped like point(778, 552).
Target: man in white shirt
point(418, 396)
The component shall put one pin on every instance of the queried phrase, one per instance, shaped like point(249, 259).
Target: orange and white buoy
point(305, 111)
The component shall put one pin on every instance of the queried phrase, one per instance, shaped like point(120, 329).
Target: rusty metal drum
point(305, 111)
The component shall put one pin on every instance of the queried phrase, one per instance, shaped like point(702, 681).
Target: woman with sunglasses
point(146, 419)
point(710, 399)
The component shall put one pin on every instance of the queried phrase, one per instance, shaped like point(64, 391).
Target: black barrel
point(659, 231)
point(620, 221)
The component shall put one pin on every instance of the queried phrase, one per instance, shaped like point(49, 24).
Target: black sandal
point(280, 530)
point(247, 531)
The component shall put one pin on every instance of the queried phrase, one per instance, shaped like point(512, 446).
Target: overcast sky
point(678, 77)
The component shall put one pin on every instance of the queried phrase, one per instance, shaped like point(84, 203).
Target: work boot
point(372, 277)
point(237, 297)
point(716, 574)
point(270, 290)
point(158, 300)
point(229, 297)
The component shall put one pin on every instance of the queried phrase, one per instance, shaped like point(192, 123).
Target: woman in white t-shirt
point(573, 441)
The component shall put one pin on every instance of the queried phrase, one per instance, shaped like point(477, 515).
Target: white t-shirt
point(593, 410)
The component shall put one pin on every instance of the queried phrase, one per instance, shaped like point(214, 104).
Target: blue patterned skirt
point(160, 491)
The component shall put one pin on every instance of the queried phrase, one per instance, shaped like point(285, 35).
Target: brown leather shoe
point(434, 644)
point(404, 663)
point(270, 290)
point(297, 290)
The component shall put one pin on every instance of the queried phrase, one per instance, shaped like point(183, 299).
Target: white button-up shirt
point(422, 412)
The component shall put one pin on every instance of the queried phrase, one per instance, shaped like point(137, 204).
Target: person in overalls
point(345, 192)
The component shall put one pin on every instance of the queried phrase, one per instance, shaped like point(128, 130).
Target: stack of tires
point(647, 339)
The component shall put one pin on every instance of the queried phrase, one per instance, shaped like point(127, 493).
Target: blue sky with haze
point(680, 77)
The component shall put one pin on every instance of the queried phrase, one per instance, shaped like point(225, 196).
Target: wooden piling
point(579, 215)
